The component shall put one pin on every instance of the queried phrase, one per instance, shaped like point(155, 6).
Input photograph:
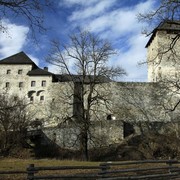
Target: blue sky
point(115, 20)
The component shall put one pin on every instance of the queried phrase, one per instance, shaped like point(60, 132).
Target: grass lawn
point(20, 164)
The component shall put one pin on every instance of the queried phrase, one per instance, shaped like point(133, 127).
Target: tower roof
point(19, 58)
point(170, 26)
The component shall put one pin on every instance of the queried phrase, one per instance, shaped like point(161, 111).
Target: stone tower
point(163, 52)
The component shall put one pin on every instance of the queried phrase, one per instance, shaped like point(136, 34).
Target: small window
point(176, 75)
point(33, 83)
point(31, 98)
point(7, 85)
point(43, 83)
point(20, 71)
point(41, 98)
point(8, 71)
point(111, 117)
point(15, 98)
point(20, 84)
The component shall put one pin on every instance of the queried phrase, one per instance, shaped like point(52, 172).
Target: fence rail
point(155, 169)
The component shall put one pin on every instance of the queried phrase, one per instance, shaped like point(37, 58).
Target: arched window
point(110, 117)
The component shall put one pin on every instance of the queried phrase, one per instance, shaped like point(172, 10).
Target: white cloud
point(78, 2)
point(54, 69)
point(116, 23)
point(34, 59)
point(130, 59)
point(120, 23)
point(91, 11)
point(13, 40)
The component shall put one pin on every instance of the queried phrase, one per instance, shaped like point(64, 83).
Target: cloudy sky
point(115, 20)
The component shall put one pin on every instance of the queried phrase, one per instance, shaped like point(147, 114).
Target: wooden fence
point(148, 169)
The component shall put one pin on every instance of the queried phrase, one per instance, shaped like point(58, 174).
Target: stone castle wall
point(55, 103)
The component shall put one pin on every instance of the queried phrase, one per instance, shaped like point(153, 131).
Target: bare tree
point(146, 108)
point(165, 58)
point(30, 11)
point(165, 10)
point(14, 120)
point(142, 105)
point(86, 56)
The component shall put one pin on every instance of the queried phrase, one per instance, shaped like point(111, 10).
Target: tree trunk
point(84, 145)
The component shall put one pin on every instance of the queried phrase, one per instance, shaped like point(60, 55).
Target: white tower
point(163, 49)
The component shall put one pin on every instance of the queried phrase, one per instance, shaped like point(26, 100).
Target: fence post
point(170, 163)
point(30, 172)
point(104, 168)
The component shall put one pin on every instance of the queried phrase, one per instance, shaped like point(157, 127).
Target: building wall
point(14, 79)
point(163, 57)
point(42, 84)
point(103, 133)
point(55, 103)
point(116, 104)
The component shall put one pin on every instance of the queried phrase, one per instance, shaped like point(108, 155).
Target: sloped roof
point(39, 72)
point(19, 58)
point(79, 78)
point(22, 58)
point(167, 25)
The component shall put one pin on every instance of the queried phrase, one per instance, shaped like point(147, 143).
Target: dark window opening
point(128, 129)
point(43, 84)
point(41, 98)
point(8, 71)
point(20, 71)
point(15, 98)
point(7, 85)
point(31, 98)
point(109, 117)
point(20, 84)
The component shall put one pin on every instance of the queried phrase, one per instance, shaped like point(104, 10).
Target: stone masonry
point(51, 96)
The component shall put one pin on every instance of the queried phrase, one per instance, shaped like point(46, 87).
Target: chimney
point(46, 68)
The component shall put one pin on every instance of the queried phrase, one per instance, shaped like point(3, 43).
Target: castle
point(51, 96)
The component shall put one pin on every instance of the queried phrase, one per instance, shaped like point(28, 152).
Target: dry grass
point(20, 164)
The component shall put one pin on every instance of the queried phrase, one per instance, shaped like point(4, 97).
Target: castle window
point(176, 75)
point(20, 84)
point(159, 73)
point(33, 83)
point(43, 84)
point(41, 98)
point(20, 71)
point(31, 98)
point(8, 71)
point(7, 85)
point(111, 117)
point(15, 98)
